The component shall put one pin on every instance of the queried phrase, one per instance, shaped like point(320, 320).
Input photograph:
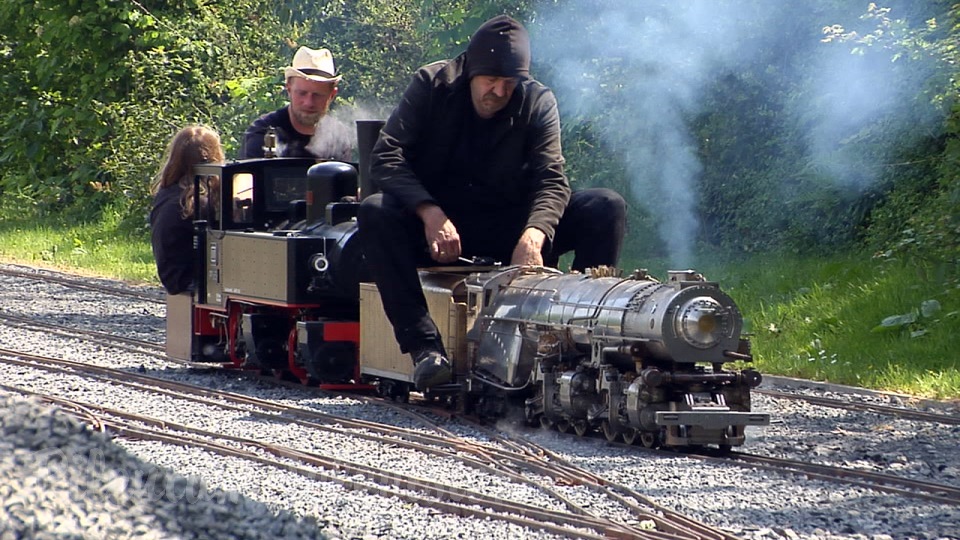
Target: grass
point(851, 319)
point(96, 249)
point(847, 319)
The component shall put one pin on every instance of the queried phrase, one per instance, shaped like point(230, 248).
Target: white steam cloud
point(638, 71)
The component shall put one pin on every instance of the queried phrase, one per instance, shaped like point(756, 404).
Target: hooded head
point(499, 48)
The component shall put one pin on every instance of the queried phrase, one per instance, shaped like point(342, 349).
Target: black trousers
point(592, 226)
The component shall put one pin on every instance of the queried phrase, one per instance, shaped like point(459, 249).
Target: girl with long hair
point(171, 218)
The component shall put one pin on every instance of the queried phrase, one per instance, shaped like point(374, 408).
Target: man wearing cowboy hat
point(302, 127)
point(469, 165)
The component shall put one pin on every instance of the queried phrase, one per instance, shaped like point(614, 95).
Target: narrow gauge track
point(78, 283)
point(139, 427)
point(878, 481)
point(939, 493)
point(118, 342)
point(889, 410)
point(653, 521)
point(934, 492)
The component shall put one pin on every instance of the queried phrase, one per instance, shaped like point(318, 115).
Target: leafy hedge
point(97, 87)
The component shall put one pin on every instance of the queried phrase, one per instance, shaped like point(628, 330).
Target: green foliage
point(100, 87)
point(848, 319)
point(589, 164)
point(912, 320)
point(767, 188)
point(101, 248)
point(920, 217)
point(147, 68)
point(450, 23)
point(57, 70)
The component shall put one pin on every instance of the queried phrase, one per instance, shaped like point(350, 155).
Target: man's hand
point(443, 240)
point(528, 250)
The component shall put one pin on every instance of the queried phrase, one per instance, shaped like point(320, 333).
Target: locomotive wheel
point(649, 439)
point(435, 399)
point(630, 436)
point(563, 426)
point(581, 427)
point(396, 391)
point(608, 431)
point(545, 422)
point(730, 431)
point(401, 393)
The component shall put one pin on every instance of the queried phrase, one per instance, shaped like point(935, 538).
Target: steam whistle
point(270, 143)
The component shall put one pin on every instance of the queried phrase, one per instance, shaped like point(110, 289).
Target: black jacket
point(434, 148)
point(172, 241)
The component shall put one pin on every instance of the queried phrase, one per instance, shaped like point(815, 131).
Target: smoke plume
point(638, 72)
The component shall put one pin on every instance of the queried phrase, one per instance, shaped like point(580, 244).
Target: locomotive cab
point(264, 194)
point(278, 270)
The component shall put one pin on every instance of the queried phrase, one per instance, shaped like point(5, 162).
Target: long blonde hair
point(192, 145)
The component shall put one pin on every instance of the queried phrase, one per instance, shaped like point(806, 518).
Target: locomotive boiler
point(282, 288)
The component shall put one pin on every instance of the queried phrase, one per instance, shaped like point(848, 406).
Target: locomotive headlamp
point(319, 263)
point(701, 322)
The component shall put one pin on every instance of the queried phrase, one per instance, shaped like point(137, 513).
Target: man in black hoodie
point(470, 164)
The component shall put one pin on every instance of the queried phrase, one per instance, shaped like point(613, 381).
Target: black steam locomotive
point(283, 289)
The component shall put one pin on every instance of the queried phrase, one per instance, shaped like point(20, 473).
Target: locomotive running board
point(448, 388)
point(711, 419)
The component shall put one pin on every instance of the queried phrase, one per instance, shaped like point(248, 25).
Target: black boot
point(431, 368)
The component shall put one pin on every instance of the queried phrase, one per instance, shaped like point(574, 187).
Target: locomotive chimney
point(367, 133)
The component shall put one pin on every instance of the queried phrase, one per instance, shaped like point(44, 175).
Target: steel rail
point(80, 284)
point(451, 500)
point(19, 321)
point(901, 412)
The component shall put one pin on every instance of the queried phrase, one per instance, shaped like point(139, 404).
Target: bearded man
point(302, 128)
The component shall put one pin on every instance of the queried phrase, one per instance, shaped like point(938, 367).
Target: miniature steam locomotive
point(282, 288)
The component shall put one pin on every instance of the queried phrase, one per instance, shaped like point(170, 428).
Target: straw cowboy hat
point(312, 64)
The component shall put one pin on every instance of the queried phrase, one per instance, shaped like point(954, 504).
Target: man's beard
point(308, 119)
point(492, 103)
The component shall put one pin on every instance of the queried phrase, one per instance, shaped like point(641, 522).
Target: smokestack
point(367, 133)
